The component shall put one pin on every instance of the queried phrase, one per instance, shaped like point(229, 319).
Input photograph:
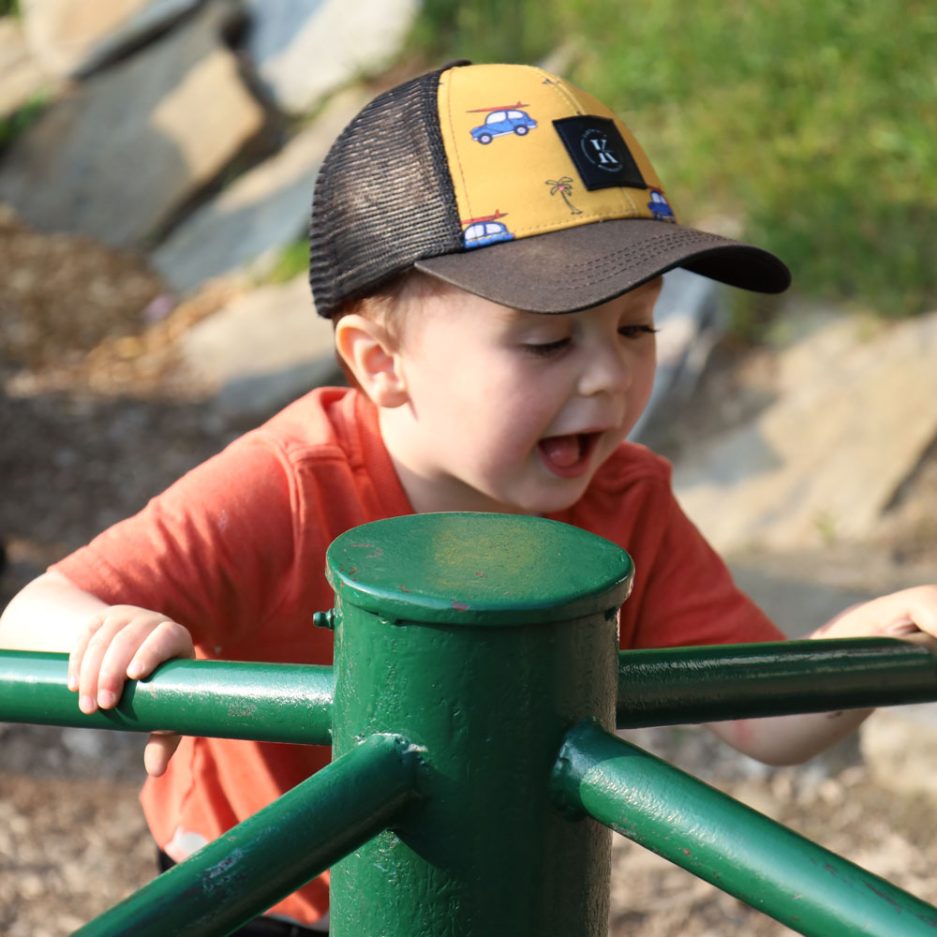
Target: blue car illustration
point(482, 233)
point(499, 123)
point(659, 206)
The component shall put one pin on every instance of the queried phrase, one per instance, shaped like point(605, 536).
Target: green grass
point(291, 262)
point(814, 125)
point(23, 117)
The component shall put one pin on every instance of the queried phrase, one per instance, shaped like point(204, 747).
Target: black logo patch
point(599, 153)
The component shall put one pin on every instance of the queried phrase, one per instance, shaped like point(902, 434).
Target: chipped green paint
point(673, 686)
point(478, 569)
point(737, 849)
point(469, 651)
point(221, 699)
point(481, 639)
point(271, 854)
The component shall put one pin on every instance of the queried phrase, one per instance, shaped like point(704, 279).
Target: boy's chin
point(548, 503)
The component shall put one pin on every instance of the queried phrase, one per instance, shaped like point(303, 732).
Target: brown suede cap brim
point(573, 269)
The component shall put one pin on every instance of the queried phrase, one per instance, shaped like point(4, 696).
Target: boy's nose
point(608, 371)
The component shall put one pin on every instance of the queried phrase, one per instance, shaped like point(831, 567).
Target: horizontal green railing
point(218, 699)
point(707, 684)
point(293, 702)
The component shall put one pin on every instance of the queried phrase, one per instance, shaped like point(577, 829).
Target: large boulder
point(851, 420)
point(262, 350)
point(119, 156)
point(260, 213)
point(72, 39)
point(305, 49)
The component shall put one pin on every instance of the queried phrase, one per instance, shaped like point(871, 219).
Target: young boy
point(489, 241)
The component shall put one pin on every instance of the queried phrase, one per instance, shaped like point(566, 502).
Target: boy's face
point(515, 411)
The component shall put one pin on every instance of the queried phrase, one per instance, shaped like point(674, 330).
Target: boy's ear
point(373, 358)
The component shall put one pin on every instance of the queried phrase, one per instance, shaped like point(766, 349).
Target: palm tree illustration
point(563, 186)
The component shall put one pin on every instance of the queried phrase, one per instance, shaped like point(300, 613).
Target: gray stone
point(263, 350)
point(803, 589)
point(22, 78)
point(813, 467)
point(305, 49)
point(259, 214)
point(115, 159)
point(71, 39)
point(690, 317)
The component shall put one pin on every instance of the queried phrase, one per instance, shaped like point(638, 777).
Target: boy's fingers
point(90, 665)
point(159, 749)
point(78, 651)
point(167, 640)
point(119, 652)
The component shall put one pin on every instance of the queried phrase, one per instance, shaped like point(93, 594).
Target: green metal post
point(274, 852)
point(483, 639)
point(812, 890)
point(220, 699)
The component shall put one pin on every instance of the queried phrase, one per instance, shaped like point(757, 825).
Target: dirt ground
point(93, 422)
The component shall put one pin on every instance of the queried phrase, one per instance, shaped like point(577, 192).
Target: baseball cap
point(512, 184)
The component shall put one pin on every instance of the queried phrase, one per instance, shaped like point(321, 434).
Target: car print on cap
point(659, 206)
point(502, 120)
point(485, 230)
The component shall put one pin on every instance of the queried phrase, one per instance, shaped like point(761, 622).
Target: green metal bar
point(737, 681)
point(219, 699)
point(773, 869)
point(274, 852)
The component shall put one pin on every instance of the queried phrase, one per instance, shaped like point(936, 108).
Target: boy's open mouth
point(568, 455)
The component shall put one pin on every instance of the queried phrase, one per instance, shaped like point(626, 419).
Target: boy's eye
point(636, 331)
point(547, 349)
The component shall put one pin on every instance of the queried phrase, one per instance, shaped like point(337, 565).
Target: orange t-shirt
point(235, 551)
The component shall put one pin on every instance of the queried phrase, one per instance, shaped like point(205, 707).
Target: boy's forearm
point(47, 615)
point(789, 740)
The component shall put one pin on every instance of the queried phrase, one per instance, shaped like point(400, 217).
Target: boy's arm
point(107, 644)
point(47, 615)
point(780, 740)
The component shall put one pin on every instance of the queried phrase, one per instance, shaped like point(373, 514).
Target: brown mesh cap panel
point(384, 198)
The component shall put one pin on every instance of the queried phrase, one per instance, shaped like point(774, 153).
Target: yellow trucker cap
point(512, 184)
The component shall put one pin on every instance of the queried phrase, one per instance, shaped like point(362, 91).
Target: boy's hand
point(910, 614)
point(126, 642)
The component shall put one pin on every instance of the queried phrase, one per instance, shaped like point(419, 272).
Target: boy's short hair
point(512, 184)
point(385, 301)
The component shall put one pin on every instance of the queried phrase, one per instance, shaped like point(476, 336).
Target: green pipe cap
point(477, 569)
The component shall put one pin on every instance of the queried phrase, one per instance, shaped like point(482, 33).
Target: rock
point(690, 318)
point(813, 467)
point(72, 39)
point(259, 214)
point(263, 350)
point(22, 78)
point(120, 155)
point(305, 49)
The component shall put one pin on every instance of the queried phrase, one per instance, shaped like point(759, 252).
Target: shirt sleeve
point(684, 592)
point(211, 552)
